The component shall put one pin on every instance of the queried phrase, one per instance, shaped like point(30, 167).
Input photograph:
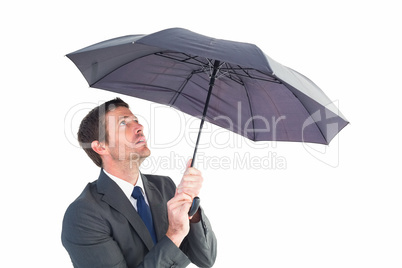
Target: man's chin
point(144, 153)
point(147, 152)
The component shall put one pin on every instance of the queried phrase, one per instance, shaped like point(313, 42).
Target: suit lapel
point(114, 196)
point(158, 207)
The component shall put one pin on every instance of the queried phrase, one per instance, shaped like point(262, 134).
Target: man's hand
point(179, 205)
point(191, 182)
point(179, 225)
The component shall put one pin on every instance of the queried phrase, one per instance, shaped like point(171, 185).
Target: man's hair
point(93, 127)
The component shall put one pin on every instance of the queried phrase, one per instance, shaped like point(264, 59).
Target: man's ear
point(98, 147)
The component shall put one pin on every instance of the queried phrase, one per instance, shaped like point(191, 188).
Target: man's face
point(126, 140)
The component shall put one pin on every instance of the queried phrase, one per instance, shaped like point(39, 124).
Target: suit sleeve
point(200, 244)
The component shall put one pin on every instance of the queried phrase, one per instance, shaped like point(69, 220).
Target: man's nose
point(138, 128)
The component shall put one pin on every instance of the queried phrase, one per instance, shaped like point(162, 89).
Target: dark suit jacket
point(102, 229)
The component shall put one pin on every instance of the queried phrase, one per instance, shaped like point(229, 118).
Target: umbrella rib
point(246, 74)
point(251, 110)
point(177, 94)
point(162, 54)
point(227, 74)
point(248, 96)
point(277, 110)
point(169, 55)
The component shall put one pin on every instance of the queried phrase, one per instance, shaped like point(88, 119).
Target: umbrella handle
point(194, 206)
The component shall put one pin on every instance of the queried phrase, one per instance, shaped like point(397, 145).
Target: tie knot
point(137, 192)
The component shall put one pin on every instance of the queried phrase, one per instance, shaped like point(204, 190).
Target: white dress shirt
point(128, 188)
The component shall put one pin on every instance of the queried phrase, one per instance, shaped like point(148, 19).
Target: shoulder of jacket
point(160, 181)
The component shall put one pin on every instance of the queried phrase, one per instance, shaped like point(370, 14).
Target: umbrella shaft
point(211, 85)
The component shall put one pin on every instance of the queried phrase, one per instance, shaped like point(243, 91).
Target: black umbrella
point(249, 93)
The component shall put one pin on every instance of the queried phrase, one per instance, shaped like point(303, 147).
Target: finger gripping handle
point(194, 206)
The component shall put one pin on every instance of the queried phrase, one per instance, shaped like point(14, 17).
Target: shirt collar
point(125, 186)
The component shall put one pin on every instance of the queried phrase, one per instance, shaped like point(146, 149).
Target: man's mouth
point(141, 140)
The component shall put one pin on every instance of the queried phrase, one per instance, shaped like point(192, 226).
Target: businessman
point(126, 218)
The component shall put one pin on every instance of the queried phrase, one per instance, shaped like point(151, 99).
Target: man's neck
point(129, 174)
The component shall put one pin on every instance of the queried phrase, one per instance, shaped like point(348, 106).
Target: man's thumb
point(189, 163)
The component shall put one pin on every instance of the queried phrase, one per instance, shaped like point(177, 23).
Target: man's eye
point(122, 123)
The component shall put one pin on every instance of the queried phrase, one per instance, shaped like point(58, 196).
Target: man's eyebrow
point(127, 116)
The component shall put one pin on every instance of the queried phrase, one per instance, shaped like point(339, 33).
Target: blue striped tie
point(144, 211)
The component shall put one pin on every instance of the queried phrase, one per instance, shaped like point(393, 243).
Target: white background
point(336, 206)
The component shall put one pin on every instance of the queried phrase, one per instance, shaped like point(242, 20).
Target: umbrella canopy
point(252, 94)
